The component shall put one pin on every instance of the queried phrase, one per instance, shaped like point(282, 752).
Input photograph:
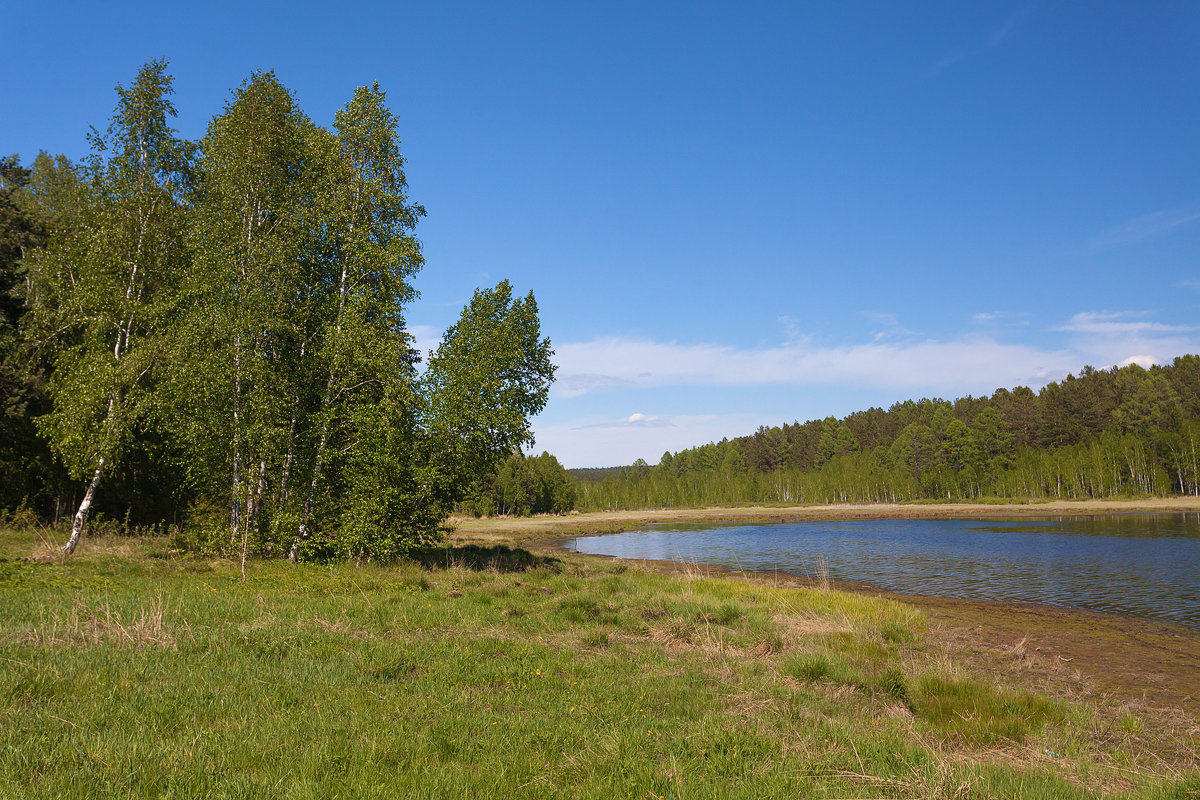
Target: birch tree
point(490, 374)
point(251, 292)
point(109, 284)
point(364, 351)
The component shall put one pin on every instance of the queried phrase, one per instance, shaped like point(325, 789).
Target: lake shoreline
point(1077, 650)
point(1124, 659)
point(613, 521)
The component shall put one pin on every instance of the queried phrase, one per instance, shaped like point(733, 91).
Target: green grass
point(131, 671)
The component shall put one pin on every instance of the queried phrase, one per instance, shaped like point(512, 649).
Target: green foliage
point(29, 475)
point(896, 633)
point(981, 713)
point(231, 315)
point(489, 375)
point(105, 285)
point(523, 485)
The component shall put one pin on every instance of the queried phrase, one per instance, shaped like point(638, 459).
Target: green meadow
point(133, 670)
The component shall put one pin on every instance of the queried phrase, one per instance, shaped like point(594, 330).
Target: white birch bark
point(326, 421)
point(84, 507)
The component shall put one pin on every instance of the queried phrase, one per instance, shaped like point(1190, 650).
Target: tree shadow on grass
point(498, 558)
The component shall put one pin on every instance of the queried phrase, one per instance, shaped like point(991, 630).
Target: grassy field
point(484, 671)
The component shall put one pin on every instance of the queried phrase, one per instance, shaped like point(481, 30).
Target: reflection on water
point(1145, 565)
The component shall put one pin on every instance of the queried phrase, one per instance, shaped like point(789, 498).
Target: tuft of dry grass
point(84, 626)
point(801, 625)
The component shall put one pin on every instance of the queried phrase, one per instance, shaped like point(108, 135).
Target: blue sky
point(731, 214)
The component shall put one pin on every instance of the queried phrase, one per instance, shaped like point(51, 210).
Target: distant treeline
point(593, 473)
point(520, 486)
point(1101, 433)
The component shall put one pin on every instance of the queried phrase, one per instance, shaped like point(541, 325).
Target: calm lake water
point(1143, 565)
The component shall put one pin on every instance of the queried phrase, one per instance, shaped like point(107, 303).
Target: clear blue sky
point(731, 214)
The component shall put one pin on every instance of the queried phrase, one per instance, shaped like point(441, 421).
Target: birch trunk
point(326, 424)
point(314, 485)
point(288, 461)
point(235, 506)
point(84, 507)
point(261, 491)
point(290, 458)
point(235, 498)
point(1195, 470)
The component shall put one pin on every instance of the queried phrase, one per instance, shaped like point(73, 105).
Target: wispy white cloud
point(1107, 338)
point(888, 325)
point(968, 365)
point(791, 328)
point(996, 318)
point(618, 370)
point(636, 420)
point(600, 444)
point(1146, 227)
point(1109, 323)
point(426, 339)
point(1015, 20)
point(577, 383)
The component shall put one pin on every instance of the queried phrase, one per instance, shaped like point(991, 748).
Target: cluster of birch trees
point(238, 305)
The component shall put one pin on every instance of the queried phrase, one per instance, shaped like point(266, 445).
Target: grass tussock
point(493, 671)
point(103, 625)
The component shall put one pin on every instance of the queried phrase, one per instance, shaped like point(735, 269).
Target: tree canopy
point(232, 312)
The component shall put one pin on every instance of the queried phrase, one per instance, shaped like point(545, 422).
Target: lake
point(1143, 565)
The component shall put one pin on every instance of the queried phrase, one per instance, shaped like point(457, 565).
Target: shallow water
point(1143, 565)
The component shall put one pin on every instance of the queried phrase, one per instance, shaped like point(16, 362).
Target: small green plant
point(420, 583)
point(982, 713)
point(809, 668)
point(1130, 723)
point(583, 609)
point(892, 684)
point(896, 633)
point(596, 639)
point(818, 667)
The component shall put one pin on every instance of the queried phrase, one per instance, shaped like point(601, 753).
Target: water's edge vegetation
point(1140, 565)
